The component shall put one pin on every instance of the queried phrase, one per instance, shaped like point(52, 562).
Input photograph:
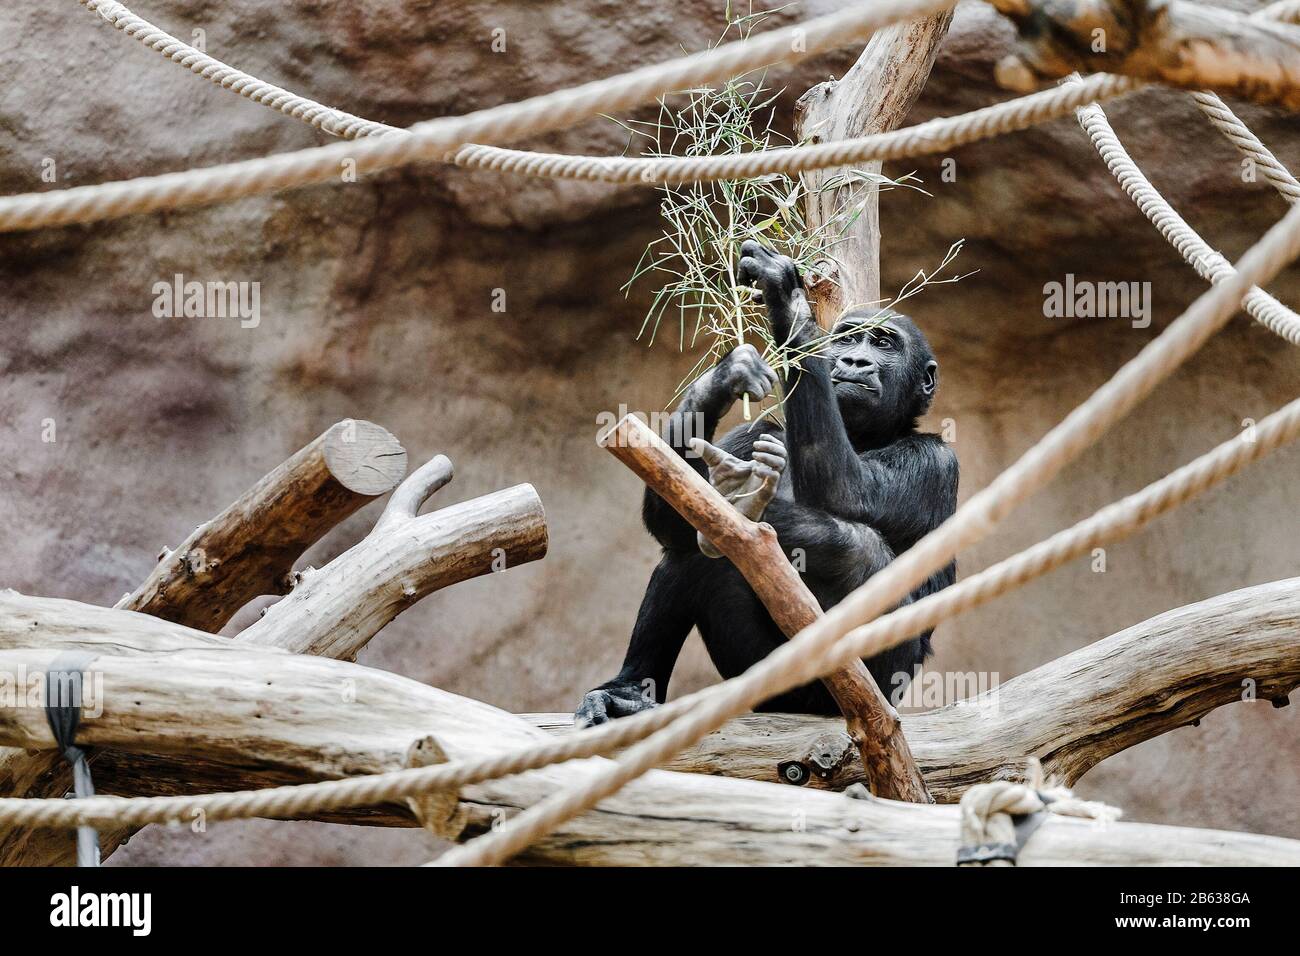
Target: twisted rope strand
point(1110, 524)
point(934, 136)
point(1213, 267)
point(1248, 144)
point(803, 658)
point(434, 139)
point(228, 77)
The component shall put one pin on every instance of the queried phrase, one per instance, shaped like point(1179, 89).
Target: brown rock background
point(376, 298)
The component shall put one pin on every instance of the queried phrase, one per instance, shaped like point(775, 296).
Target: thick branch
point(875, 96)
point(285, 711)
point(1189, 45)
point(334, 611)
point(1072, 713)
point(249, 548)
point(754, 550)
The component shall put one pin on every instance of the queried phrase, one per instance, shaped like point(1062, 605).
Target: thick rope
point(935, 136)
point(1213, 267)
point(1248, 144)
point(322, 117)
point(1112, 523)
point(437, 139)
point(803, 658)
point(434, 139)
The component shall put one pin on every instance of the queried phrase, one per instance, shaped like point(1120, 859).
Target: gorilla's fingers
point(771, 461)
point(713, 455)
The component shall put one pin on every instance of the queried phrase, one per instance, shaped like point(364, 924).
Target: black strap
point(64, 686)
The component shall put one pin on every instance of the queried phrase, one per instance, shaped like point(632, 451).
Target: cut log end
point(364, 457)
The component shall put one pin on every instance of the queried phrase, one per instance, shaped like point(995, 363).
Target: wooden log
point(285, 711)
point(336, 610)
point(249, 548)
point(875, 96)
point(752, 547)
point(1190, 45)
point(1071, 713)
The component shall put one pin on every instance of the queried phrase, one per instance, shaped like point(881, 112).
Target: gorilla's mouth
point(871, 385)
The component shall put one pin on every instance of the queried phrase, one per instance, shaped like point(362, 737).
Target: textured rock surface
point(376, 303)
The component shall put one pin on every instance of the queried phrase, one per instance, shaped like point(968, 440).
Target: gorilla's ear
point(930, 378)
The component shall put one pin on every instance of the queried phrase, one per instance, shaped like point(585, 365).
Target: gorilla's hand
point(777, 279)
point(748, 485)
point(742, 371)
point(617, 698)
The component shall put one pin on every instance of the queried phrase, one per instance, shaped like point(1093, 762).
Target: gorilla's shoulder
point(934, 447)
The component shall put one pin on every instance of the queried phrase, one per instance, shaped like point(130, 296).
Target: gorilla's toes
point(608, 703)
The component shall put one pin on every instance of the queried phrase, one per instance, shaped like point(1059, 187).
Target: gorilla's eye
point(885, 342)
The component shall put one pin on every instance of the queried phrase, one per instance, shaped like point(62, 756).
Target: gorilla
point(848, 484)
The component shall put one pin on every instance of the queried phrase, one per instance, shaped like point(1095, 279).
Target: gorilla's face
point(883, 373)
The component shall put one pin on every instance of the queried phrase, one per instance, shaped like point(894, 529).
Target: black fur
point(862, 485)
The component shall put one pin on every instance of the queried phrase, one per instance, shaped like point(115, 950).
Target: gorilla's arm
point(903, 490)
point(909, 488)
point(824, 466)
point(742, 371)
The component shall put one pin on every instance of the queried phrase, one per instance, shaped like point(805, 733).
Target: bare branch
point(248, 549)
point(284, 711)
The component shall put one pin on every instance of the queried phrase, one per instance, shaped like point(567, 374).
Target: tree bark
point(873, 97)
point(171, 690)
point(249, 548)
point(336, 610)
point(1188, 45)
point(873, 724)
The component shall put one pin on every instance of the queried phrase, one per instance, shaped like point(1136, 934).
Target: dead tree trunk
point(249, 549)
point(335, 610)
point(1071, 713)
point(284, 712)
point(1190, 45)
point(875, 96)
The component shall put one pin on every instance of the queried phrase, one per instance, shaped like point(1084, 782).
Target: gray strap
point(64, 684)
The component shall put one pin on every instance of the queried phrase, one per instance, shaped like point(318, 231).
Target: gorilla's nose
point(859, 363)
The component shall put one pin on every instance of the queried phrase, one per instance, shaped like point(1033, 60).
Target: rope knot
point(998, 818)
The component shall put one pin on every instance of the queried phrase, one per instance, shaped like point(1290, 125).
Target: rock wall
point(376, 302)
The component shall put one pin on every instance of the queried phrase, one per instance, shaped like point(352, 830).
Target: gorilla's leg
point(666, 617)
point(835, 557)
point(738, 633)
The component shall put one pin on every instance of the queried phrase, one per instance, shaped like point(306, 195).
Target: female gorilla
point(857, 486)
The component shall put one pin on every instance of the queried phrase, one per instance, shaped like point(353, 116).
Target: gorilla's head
point(883, 373)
